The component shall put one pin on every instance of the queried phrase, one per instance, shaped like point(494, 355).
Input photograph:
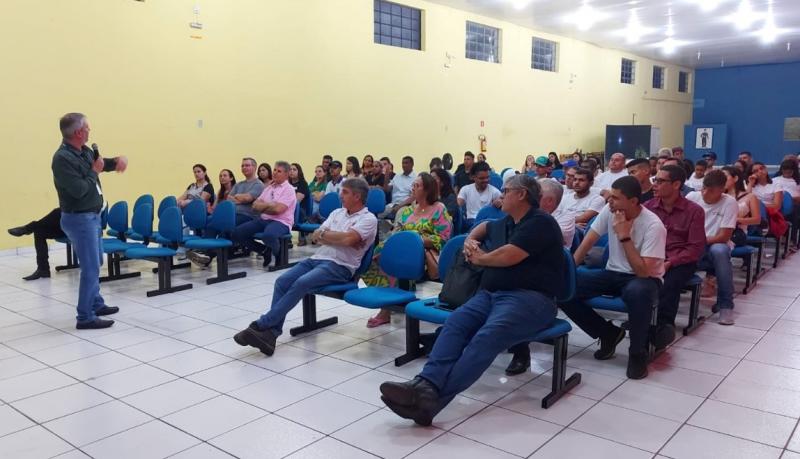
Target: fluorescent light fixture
point(708, 5)
point(769, 33)
point(586, 16)
point(520, 4)
point(744, 17)
point(634, 31)
point(669, 45)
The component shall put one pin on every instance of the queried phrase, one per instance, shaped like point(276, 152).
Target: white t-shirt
point(334, 187)
point(766, 193)
point(567, 224)
point(721, 214)
point(648, 235)
point(401, 186)
point(475, 200)
point(695, 183)
point(788, 185)
point(576, 206)
point(363, 222)
point(606, 179)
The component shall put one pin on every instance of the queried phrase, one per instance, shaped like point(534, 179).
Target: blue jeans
point(305, 277)
point(717, 261)
point(83, 231)
point(243, 234)
point(640, 295)
point(478, 331)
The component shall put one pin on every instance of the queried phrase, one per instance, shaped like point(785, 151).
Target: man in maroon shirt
point(686, 243)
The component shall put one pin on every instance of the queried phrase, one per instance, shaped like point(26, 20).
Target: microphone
point(96, 151)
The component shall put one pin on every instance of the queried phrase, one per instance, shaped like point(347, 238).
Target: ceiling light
point(634, 31)
point(670, 26)
point(769, 33)
point(520, 4)
point(585, 17)
point(744, 17)
point(708, 5)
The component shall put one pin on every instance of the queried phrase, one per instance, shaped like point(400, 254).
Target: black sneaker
point(95, 324)
point(107, 311)
point(637, 366)
point(263, 340)
point(519, 364)
point(38, 274)
point(663, 336)
point(267, 257)
point(608, 344)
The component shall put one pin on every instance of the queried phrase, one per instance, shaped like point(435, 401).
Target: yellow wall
point(287, 79)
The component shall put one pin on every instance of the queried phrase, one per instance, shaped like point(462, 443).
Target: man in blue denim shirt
point(75, 173)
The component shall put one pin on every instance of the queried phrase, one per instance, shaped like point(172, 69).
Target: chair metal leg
point(282, 257)
point(310, 322)
point(222, 268)
point(777, 252)
point(72, 260)
point(413, 347)
point(560, 385)
point(694, 310)
point(115, 269)
point(172, 266)
point(165, 279)
point(748, 261)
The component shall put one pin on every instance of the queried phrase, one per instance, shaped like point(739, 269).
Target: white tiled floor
point(168, 381)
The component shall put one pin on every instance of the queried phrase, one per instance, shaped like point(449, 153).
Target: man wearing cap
point(640, 168)
point(542, 168)
point(711, 159)
point(335, 182)
point(616, 169)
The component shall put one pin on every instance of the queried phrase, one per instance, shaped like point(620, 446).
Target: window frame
point(476, 53)
point(394, 25)
point(554, 60)
point(622, 75)
point(685, 85)
point(663, 77)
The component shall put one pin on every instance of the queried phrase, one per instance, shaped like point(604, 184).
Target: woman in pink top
point(276, 208)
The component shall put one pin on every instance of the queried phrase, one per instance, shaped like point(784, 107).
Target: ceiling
point(703, 37)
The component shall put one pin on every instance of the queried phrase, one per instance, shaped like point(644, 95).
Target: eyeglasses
point(661, 181)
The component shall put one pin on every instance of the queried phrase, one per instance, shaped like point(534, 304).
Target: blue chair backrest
point(168, 201)
point(118, 217)
point(144, 199)
point(366, 260)
point(142, 221)
point(489, 212)
point(569, 280)
point(376, 201)
point(495, 180)
point(224, 217)
point(194, 214)
point(448, 254)
point(328, 204)
point(403, 256)
point(557, 174)
point(170, 226)
point(788, 204)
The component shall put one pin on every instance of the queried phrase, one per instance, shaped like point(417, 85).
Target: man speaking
point(75, 173)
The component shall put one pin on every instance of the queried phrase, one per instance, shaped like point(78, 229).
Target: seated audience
point(436, 163)
point(226, 183)
point(743, 167)
point(317, 188)
point(344, 238)
point(335, 178)
point(749, 208)
point(634, 271)
point(710, 159)
point(664, 151)
point(552, 161)
point(478, 194)
point(524, 267)
point(695, 181)
point(677, 152)
point(686, 243)
point(47, 227)
point(569, 177)
point(428, 217)
point(581, 202)
point(653, 166)
point(685, 189)
point(446, 194)
point(400, 187)
point(590, 164)
point(481, 157)
point(577, 157)
point(721, 212)
point(542, 168)
point(326, 166)
point(760, 184)
point(375, 177)
point(388, 175)
point(275, 207)
point(640, 169)
point(352, 168)
point(529, 168)
point(747, 158)
point(463, 174)
point(200, 189)
point(366, 164)
point(298, 181)
point(616, 169)
point(265, 173)
point(788, 179)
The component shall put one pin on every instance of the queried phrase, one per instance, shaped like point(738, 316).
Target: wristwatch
point(624, 240)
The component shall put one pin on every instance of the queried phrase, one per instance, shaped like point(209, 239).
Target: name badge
point(99, 190)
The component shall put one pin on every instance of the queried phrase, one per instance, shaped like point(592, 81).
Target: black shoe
point(96, 323)
point(38, 274)
point(263, 340)
point(267, 257)
point(608, 344)
point(106, 311)
point(637, 366)
point(409, 412)
point(519, 364)
point(663, 336)
point(19, 231)
point(419, 397)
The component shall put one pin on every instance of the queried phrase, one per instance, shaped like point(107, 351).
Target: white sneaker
point(725, 317)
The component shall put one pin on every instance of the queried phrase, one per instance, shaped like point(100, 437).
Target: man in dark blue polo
point(75, 173)
point(523, 271)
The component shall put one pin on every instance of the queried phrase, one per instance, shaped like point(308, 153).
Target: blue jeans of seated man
point(717, 261)
point(305, 277)
point(639, 294)
point(83, 231)
point(478, 331)
point(243, 235)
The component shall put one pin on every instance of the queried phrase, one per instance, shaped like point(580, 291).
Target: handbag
point(432, 263)
point(461, 283)
point(739, 237)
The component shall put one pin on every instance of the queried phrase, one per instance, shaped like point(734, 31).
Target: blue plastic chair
point(282, 257)
point(402, 257)
point(130, 234)
point(327, 204)
point(495, 180)
point(787, 210)
point(114, 248)
point(433, 311)
point(170, 229)
point(222, 220)
point(376, 201)
point(489, 212)
point(337, 291)
point(558, 174)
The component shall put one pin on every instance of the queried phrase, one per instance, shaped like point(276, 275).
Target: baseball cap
point(336, 164)
point(637, 161)
point(710, 154)
point(541, 161)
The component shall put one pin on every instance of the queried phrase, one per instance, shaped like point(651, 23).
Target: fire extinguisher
point(482, 140)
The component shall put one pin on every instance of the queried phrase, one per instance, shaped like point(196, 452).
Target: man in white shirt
point(479, 193)
point(401, 187)
point(344, 238)
point(616, 169)
point(582, 203)
point(552, 193)
point(721, 211)
point(634, 272)
point(335, 183)
point(695, 181)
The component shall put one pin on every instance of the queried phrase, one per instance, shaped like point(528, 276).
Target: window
point(543, 54)
point(683, 81)
point(658, 77)
point(397, 25)
point(483, 42)
point(628, 75)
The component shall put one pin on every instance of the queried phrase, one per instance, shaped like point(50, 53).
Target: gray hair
point(358, 186)
point(283, 165)
point(251, 160)
point(552, 188)
point(529, 184)
point(665, 151)
point(71, 123)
